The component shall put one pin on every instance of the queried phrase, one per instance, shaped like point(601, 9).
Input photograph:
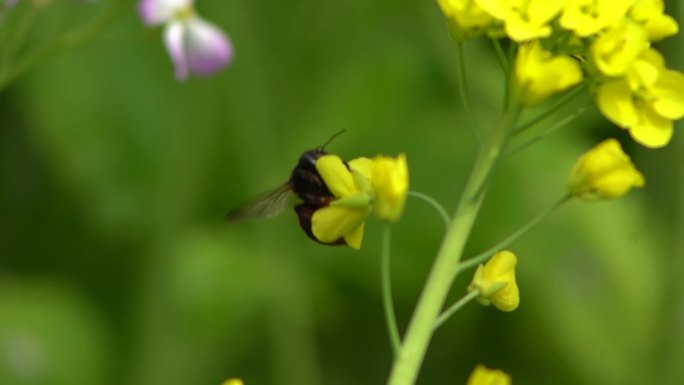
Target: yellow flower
point(359, 186)
point(484, 376)
point(646, 100)
point(465, 16)
point(495, 281)
point(344, 217)
point(390, 182)
point(604, 172)
point(588, 17)
point(617, 48)
point(233, 381)
point(539, 74)
point(524, 20)
point(650, 14)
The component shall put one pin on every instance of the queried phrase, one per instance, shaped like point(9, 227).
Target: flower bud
point(604, 172)
point(495, 281)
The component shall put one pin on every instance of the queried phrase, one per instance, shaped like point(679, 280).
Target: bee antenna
point(335, 135)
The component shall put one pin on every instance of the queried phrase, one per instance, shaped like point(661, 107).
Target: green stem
point(390, 316)
point(456, 306)
point(463, 88)
point(557, 126)
point(444, 269)
point(483, 256)
point(560, 103)
point(432, 202)
point(500, 54)
point(65, 42)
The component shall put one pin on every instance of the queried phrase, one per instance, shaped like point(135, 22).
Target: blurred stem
point(385, 273)
point(456, 306)
point(500, 54)
point(463, 88)
point(560, 103)
point(557, 126)
point(63, 43)
point(432, 202)
point(483, 256)
point(445, 267)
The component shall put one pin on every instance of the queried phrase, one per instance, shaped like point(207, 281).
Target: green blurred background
point(116, 266)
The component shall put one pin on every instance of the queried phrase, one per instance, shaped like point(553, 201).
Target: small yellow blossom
point(495, 281)
point(646, 100)
point(344, 217)
point(484, 376)
point(650, 14)
point(233, 381)
point(604, 172)
point(617, 48)
point(465, 17)
point(588, 17)
point(539, 74)
point(524, 20)
point(390, 181)
point(359, 186)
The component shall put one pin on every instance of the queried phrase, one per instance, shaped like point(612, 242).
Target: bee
point(305, 183)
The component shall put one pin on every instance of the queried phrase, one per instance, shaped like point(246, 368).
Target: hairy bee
point(305, 183)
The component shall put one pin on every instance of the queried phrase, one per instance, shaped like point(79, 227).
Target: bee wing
point(263, 206)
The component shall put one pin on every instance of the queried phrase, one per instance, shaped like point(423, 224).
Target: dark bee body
point(306, 183)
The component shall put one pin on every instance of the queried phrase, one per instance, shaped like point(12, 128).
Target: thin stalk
point(483, 256)
point(432, 202)
point(456, 306)
point(465, 95)
point(500, 54)
point(444, 269)
point(385, 273)
point(557, 126)
point(560, 103)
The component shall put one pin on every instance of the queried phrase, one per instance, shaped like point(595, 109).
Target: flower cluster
point(194, 44)
point(604, 42)
point(359, 187)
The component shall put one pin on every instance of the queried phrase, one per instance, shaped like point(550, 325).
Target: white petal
point(174, 38)
point(154, 12)
point(208, 49)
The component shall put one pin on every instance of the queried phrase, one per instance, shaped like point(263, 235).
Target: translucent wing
point(263, 206)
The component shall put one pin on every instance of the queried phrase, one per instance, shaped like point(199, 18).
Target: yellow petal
point(390, 182)
point(355, 239)
point(330, 223)
point(614, 99)
point(668, 92)
point(651, 130)
point(336, 176)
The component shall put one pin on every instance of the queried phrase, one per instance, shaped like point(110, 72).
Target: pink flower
point(194, 44)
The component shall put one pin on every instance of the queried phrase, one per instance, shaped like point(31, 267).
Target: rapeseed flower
point(496, 283)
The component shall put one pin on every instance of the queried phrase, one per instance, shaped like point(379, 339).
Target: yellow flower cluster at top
point(604, 42)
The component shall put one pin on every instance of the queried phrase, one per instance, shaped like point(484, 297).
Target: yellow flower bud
point(604, 172)
point(538, 74)
point(484, 376)
point(390, 181)
point(465, 17)
point(495, 281)
point(233, 381)
point(615, 50)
